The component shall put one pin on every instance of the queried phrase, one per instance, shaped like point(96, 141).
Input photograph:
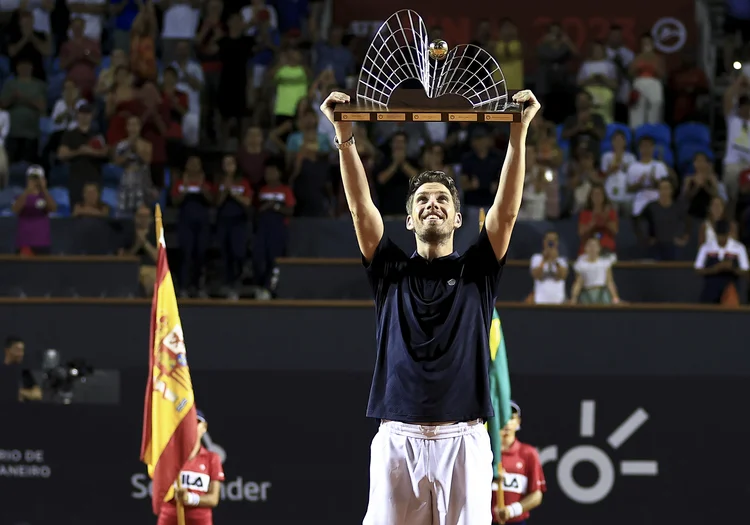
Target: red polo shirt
point(522, 475)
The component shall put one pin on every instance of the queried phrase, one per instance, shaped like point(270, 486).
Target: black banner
point(616, 451)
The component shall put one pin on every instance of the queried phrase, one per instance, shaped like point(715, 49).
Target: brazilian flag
point(499, 389)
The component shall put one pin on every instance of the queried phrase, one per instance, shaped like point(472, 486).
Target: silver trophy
point(463, 83)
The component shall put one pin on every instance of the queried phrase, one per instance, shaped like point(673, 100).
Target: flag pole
point(178, 502)
point(500, 498)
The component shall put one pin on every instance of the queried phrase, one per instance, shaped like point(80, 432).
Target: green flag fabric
point(499, 389)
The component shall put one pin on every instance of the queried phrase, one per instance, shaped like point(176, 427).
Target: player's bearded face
point(433, 216)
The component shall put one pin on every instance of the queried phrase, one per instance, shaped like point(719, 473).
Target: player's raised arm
point(368, 224)
point(502, 215)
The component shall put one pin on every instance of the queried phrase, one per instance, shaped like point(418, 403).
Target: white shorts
point(430, 475)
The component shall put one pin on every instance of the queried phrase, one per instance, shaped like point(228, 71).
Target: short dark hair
point(12, 340)
point(432, 176)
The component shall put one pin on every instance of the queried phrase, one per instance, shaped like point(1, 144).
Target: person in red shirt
point(598, 219)
point(522, 477)
point(275, 205)
point(201, 479)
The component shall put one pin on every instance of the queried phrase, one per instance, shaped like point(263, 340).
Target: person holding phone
point(549, 271)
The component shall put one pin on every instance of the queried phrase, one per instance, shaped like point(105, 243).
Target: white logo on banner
point(600, 459)
point(236, 489)
point(17, 463)
point(669, 35)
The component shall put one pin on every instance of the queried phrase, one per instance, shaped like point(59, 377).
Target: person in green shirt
point(25, 99)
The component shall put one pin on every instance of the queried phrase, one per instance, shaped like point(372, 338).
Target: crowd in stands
point(212, 108)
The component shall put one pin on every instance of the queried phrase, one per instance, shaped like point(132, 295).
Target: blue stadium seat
point(109, 197)
point(7, 197)
point(111, 175)
point(661, 133)
point(687, 151)
point(46, 126)
point(62, 198)
point(615, 127)
point(564, 144)
point(17, 174)
point(58, 175)
point(104, 64)
point(692, 133)
point(4, 66)
point(55, 66)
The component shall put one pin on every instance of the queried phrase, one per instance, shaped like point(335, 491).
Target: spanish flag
point(169, 416)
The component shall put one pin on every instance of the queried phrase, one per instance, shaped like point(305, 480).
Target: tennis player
point(201, 479)
point(431, 461)
point(523, 478)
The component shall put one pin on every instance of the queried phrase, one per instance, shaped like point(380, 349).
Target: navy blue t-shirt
point(433, 333)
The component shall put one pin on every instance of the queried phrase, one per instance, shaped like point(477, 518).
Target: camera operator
point(549, 271)
point(14, 374)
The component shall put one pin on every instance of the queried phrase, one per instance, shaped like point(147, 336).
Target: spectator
point(615, 165)
point(291, 78)
point(64, 117)
point(251, 157)
point(325, 84)
point(621, 56)
point(644, 175)
point(234, 197)
point(368, 155)
point(392, 177)
point(594, 282)
point(211, 31)
point(736, 30)
point(598, 76)
point(333, 55)
point(32, 208)
point(553, 83)
point(479, 169)
point(536, 193)
point(543, 135)
point(179, 24)
point(667, 224)
point(79, 57)
point(125, 13)
point(275, 206)
point(91, 204)
point(190, 82)
point(28, 389)
point(256, 13)
point(143, 44)
point(267, 43)
point(701, 188)
point(549, 272)
point(307, 126)
point(687, 84)
point(234, 52)
point(584, 129)
point(154, 117)
point(93, 13)
point(120, 104)
point(25, 99)
point(649, 72)
point(193, 195)
point(721, 262)
point(297, 16)
point(106, 80)
point(311, 173)
point(582, 175)
point(85, 151)
point(598, 219)
point(4, 130)
point(176, 105)
point(737, 154)
point(508, 51)
point(716, 212)
point(134, 155)
point(433, 157)
point(142, 243)
point(29, 46)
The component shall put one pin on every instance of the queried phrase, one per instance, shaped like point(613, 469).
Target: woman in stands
point(716, 212)
point(91, 205)
point(598, 219)
point(594, 282)
point(33, 207)
point(647, 97)
point(121, 103)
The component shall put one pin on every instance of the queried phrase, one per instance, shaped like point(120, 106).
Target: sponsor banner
point(296, 449)
point(671, 22)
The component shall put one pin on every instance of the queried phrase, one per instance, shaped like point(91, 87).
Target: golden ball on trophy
point(438, 49)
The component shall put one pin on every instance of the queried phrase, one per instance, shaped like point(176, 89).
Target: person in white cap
point(32, 208)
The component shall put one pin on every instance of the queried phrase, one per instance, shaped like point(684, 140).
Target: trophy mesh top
point(400, 51)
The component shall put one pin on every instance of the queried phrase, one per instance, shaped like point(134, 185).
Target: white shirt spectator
point(180, 21)
point(593, 273)
point(195, 70)
point(616, 184)
point(94, 23)
point(247, 15)
point(732, 247)
point(625, 57)
point(641, 171)
point(738, 141)
point(41, 10)
point(548, 289)
point(534, 203)
point(65, 115)
point(597, 67)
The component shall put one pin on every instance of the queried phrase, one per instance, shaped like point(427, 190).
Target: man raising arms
point(431, 461)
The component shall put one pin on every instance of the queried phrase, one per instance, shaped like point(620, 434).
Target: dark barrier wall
point(616, 450)
point(339, 336)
